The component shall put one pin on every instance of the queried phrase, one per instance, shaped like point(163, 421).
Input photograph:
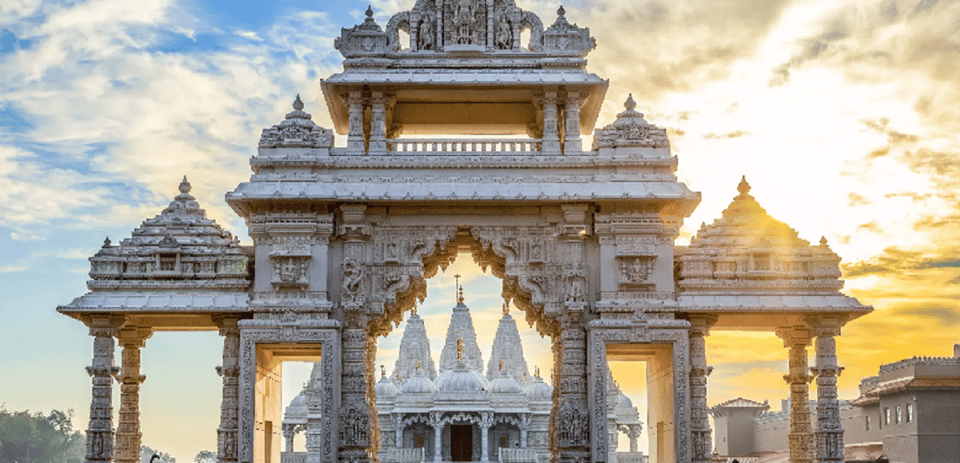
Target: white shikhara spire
point(414, 351)
point(507, 350)
point(461, 326)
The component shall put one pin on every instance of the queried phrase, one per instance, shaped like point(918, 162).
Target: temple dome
point(461, 380)
point(297, 408)
point(539, 390)
point(505, 384)
point(418, 384)
point(386, 389)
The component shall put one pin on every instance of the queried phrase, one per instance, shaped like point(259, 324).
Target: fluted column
point(437, 437)
point(100, 429)
point(572, 143)
point(288, 433)
point(699, 415)
point(378, 123)
point(633, 432)
point(524, 424)
point(797, 338)
point(485, 422)
point(229, 371)
point(551, 137)
point(355, 141)
point(128, 426)
point(829, 433)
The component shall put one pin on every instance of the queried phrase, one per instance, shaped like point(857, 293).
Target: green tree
point(34, 437)
point(205, 456)
point(146, 453)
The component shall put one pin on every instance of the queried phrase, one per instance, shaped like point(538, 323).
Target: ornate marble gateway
point(345, 238)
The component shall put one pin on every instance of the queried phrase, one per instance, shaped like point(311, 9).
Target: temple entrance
point(461, 442)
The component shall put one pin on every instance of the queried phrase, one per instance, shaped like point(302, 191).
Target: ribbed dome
point(539, 390)
point(418, 384)
point(461, 380)
point(504, 384)
point(386, 389)
point(297, 408)
point(624, 402)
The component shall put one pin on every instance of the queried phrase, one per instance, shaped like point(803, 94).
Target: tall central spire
point(461, 327)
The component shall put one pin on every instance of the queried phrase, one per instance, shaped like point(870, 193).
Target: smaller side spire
point(298, 104)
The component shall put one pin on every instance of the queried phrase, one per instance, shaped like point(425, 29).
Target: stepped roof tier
point(174, 268)
point(747, 262)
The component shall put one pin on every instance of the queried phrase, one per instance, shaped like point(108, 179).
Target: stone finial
point(369, 12)
point(184, 185)
point(823, 241)
point(298, 104)
point(630, 104)
point(561, 12)
point(536, 372)
point(383, 371)
point(413, 311)
point(106, 242)
point(506, 309)
point(743, 187)
point(460, 297)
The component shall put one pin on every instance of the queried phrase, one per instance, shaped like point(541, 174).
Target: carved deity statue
point(465, 21)
point(504, 33)
point(425, 36)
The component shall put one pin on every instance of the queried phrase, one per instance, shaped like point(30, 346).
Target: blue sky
point(842, 115)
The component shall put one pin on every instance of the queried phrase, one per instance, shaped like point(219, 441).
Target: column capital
point(825, 325)
point(700, 324)
point(133, 336)
point(103, 325)
point(795, 336)
point(227, 324)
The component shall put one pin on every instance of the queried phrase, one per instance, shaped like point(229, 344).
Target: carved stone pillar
point(229, 371)
point(829, 434)
point(797, 339)
point(288, 433)
point(378, 123)
point(357, 416)
point(524, 424)
point(571, 426)
point(128, 427)
point(355, 142)
point(100, 429)
point(572, 143)
point(633, 432)
point(438, 437)
point(355, 409)
point(699, 414)
point(551, 137)
point(485, 422)
point(398, 427)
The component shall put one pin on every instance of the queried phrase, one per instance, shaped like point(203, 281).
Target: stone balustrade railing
point(427, 146)
point(404, 455)
point(515, 455)
point(293, 457)
point(631, 457)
